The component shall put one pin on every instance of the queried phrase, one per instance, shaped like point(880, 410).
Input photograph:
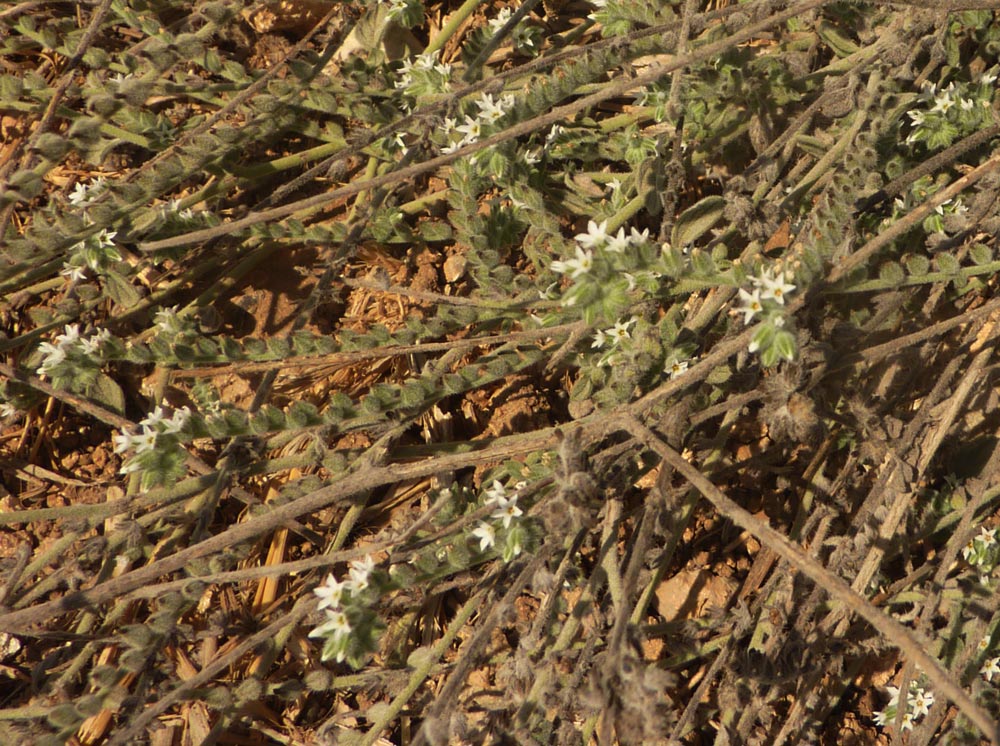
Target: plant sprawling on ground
point(489, 372)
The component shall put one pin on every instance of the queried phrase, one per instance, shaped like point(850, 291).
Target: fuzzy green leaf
point(697, 220)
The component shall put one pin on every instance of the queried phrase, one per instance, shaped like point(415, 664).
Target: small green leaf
point(784, 344)
point(947, 263)
point(121, 290)
point(840, 44)
point(697, 220)
point(981, 254)
point(917, 264)
point(108, 393)
point(891, 273)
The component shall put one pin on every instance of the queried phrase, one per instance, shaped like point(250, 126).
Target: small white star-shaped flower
point(677, 367)
point(596, 234)
point(337, 625)
point(360, 573)
point(620, 331)
point(486, 534)
point(991, 668)
point(618, 242)
point(750, 304)
point(577, 267)
point(921, 702)
point(507, 510)
point(774, 287)
point(330, 592)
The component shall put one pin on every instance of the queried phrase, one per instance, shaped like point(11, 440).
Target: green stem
point(454, 22)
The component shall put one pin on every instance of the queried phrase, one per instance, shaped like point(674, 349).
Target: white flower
point(498, 23)
point(620, 331)
point(472, 130)
point(167, 321)
point(104, 238)
point(76, 274)
point(336, 625)
point(486, 534)
point(496, 492)
point(144, 441)
point(987, 536)
point(581, 265)
point(943, 103)
point(53, 357)
point(618, 242)
point(600, 339)
point(595, 234)
point(330, 592)
point(751, 304)
point(123, 441)
point(637, 237)
point(614, 185)
point(490, 111)
point(677, 367)
point(907, 723)
point(773, 287)
point(70, 337)
point(82, 194)
point(917, 117)
point(154, 418)
point(360, 572)
point(991, 668)
point(921, 702)
point(396, 9)
point(92, 344)
point(506, 510)
point(555, 132)
point(177, 421)
point(893, 695)
point(130, 466)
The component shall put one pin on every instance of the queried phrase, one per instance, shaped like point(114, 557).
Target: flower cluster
point(158, 453)
point(526, 38)
point(407, 13)
point(952, 112)
point(95, 252)
point(491, 111)
point(173, 209)
point(767, 299)
point(504, 514)
point(423, 75)
point(603, 257)
point(982, 552)
point(73, 361)
point(84, 195)
point(349, 626)
point(918, 193)
point(919, 703)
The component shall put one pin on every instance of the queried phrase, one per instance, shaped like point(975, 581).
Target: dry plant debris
point(390, 372)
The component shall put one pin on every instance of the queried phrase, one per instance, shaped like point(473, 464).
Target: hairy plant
point(366, 364)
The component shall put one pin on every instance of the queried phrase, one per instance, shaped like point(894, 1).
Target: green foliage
point(286, 352)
